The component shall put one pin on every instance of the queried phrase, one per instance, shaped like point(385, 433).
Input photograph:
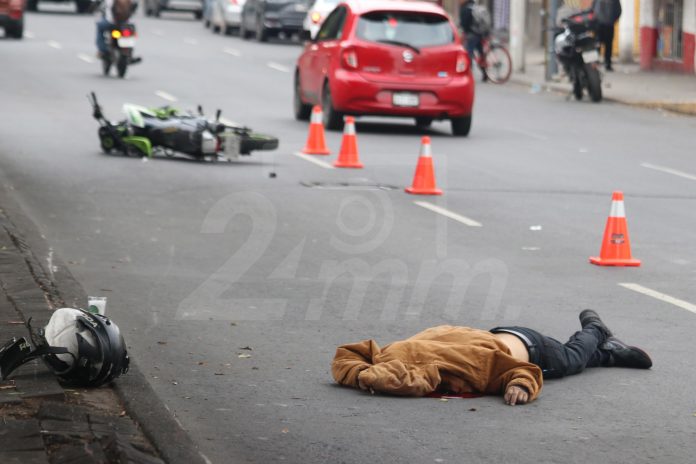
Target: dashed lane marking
point(527, 133)
point(660, 296)
point(54, 44)
point(86, 58)
point(447, 213)
point(166, 96)
point(232, 51)
point(313, 159)
point(667, 170)
point(278, 67)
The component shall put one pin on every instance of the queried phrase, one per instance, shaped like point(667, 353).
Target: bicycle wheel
point(498, 64)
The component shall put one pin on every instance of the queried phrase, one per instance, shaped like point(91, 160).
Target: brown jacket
point(444, 358)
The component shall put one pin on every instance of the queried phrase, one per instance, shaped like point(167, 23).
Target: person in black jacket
point(607, 12)
point(474, 38)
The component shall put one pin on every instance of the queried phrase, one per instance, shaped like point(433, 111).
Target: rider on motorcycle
point(113, 12)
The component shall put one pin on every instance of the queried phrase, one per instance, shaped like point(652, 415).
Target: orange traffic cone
point(316, 143)
point(616, 248)
point(348, 154)
point(424, 179)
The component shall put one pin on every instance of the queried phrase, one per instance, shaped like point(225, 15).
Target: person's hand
point(516, 395)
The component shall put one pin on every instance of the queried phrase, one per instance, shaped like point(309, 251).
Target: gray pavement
point(628, 84)
point(203, 262)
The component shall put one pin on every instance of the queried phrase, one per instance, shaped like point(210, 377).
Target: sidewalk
point(628, 84)
point(42, 422)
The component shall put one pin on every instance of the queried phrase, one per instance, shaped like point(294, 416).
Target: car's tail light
point(234, 2)
point(116, 34)
point(16, 14)
point(127, 33)
point(316, 17)
point(462, 63)
point(350, 58)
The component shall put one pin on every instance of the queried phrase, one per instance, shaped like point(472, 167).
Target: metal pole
point(518, 20)
point(551, 65)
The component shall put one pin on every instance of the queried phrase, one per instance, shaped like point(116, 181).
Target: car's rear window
point(415, 29)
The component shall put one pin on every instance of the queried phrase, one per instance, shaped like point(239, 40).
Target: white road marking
point(232, 51)
point(54, 44)
point(86, 58)
point(278, 67)
point(313, 159)
point(166, 96)
point(683, 174)
point(660, 296)
point(29, 34)
point(190, 41)
point(447, 213)
point(158, 32)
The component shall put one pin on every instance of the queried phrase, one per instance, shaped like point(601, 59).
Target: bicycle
point(498, 64)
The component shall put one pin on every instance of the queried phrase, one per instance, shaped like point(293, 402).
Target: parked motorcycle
point(577, 49)
point(120, 42)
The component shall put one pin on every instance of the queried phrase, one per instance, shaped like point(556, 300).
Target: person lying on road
point(512, 361)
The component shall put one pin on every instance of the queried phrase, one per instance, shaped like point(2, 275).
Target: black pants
point(605, 34)
point(558, 359)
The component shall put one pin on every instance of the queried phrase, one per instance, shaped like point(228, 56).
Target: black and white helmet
point(83, 349)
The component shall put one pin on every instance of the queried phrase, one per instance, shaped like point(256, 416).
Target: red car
point(386, 58)
point(12, 17)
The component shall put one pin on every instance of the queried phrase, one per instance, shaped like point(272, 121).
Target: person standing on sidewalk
point(607, 13)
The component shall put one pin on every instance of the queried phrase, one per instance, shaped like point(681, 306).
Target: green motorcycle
point(147, 132)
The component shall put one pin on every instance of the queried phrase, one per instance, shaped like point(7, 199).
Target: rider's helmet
point(83, 349)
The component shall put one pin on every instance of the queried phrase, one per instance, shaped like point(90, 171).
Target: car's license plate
point(126, 42)
point(590, 56)
point(405, 99)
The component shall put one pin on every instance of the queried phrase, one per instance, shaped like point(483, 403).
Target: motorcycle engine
point(208, 143)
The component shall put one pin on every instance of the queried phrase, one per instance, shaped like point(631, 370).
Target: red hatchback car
point(386, 58)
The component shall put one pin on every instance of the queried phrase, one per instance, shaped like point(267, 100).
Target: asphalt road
point(200, 261)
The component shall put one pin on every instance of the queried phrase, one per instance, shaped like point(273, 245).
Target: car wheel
point(461, 126)
point(216, 28)
point(302, 111)
point(15, 29)
point(82, 6)
point(261, 31)
point(32, 5)
point(423, 122)
point(333, 120)
point(198, 14)
point(157, 10)
point(243, 31)
point(229, 30)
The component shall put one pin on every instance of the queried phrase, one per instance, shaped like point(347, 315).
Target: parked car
point(155, 7)
point(81, 6)
point(316, 15)
point(386, 58)
point(12, 18)
point(226, 15)
point(266, 18)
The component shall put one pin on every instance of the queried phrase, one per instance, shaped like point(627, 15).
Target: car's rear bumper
point(181, 5)
point(351, 93)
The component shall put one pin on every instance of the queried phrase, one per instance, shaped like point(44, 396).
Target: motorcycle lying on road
point(166, 130)
point(120, 41)
point(577, 49)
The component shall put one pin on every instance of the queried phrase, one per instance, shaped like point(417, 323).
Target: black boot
point(622, 355)
point(590, 317)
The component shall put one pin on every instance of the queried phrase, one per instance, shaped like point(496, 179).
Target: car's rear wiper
point(402, 44)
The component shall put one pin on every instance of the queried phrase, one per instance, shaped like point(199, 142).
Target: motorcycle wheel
point(122, 65)
point(256, 141)
point(594, 83)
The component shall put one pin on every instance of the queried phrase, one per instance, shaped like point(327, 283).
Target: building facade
point(667, 35)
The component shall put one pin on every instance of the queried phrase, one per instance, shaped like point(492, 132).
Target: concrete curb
point(684, 108)
point(141, 403)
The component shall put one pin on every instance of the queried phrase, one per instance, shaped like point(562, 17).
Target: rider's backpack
point(121, 10)
point(480, 20)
